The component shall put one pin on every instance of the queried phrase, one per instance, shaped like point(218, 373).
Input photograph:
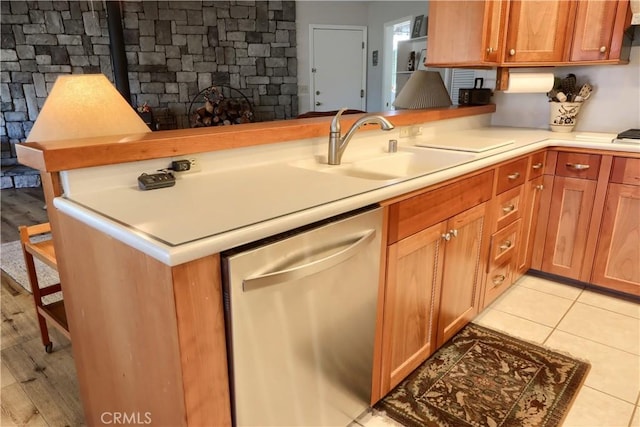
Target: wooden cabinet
point(570, 212)
point(617, 261)
point(595, 26)
point(414, 275)
point(435, 259)
point(533, 193)
point(569, 217)
point(537, 31)
point(462, 271)
point(466, 33)
point(514, 33)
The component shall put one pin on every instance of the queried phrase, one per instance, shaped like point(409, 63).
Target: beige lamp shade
point(84, 106)
point(424, 89)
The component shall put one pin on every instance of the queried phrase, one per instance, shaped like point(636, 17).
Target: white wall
point(613, 107)
point(372, 14)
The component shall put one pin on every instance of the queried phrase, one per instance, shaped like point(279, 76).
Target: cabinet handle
point(507, 209)
point(489, 50)
point(446, 236)
point(537, 166)
point(539, 187)
point(512, 52)
point(506, 245)
point(454, 232)
point(603, 49)
point(578, 166)
point(514, 176)
point(498, 279)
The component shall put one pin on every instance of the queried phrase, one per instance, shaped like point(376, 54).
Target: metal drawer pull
point(578, 166)
point(499, 279)
point(537, 166)
point(506, 245)
point(539, 187)
point(514, 176)
point(507, 209)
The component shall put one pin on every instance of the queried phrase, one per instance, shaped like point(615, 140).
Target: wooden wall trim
point(56, 156)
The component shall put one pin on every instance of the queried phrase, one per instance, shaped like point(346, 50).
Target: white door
point(338, 67)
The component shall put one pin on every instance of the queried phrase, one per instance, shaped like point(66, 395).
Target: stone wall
point(174, 50)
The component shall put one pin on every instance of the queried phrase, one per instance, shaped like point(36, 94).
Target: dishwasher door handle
point(287, 275)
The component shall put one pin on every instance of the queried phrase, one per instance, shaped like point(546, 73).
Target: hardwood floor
point(21, 206)
point(38, 389)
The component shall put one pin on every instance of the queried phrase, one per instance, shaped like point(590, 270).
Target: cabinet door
point(455, 32)
point(494, 27)
point(533, 193)
point(464, 262)
point(538, 30)
point(568, 226)
point(617, 260)
point(414, 272)
point(593, 30)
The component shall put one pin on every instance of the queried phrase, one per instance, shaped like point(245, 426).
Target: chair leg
point(37, 300)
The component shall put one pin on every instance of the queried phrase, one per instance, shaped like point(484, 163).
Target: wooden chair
point(45, 252)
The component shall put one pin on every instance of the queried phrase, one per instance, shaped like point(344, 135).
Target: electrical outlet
point(405, 132)
point(410, 131)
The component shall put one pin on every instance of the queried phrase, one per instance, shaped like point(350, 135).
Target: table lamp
point(424, 89)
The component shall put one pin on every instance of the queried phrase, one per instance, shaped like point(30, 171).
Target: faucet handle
point(335, 123)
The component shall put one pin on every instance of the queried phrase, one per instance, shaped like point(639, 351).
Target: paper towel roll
point(530, 83)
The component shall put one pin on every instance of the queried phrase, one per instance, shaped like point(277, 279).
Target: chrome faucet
point(338, 143)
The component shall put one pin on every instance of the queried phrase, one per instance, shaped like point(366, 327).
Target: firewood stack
point(219, 110)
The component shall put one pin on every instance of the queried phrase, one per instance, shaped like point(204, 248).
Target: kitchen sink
point(406, 162)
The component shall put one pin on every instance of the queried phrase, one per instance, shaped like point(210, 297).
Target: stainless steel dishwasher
point(300, 312)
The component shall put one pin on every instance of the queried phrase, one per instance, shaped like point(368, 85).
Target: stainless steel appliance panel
point(301, 321)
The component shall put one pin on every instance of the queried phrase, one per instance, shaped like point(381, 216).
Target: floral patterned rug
point(485, 378)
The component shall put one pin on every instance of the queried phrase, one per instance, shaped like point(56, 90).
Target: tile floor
point(602, 329)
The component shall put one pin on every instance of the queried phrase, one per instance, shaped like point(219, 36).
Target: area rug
point(12, 263)
point(485, 378)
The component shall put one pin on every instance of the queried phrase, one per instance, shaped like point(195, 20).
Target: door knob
point(317, 92)
point(512, 52)
point(539, 187)
point(603, 49)
point(318, 103)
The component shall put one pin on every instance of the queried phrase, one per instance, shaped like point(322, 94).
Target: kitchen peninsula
point(141, 273)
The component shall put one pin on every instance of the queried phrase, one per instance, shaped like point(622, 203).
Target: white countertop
point(248, 194)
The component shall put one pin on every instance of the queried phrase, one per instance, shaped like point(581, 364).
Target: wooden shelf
point(56, 314)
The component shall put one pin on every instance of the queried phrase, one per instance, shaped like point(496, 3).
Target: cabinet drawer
point(625, 171)
point(509, 207)
point(511, 175)
point(578, 165)
point(419, 212)
point(536, 167)
point(503, 245)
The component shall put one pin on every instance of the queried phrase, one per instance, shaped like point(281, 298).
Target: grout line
point(636, 409)
point(555, 328)
point(609, 310)
point(611, 396)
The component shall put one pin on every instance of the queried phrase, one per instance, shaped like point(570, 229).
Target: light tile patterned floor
point(602, 329)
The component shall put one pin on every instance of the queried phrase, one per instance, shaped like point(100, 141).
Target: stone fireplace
point(174, 50)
